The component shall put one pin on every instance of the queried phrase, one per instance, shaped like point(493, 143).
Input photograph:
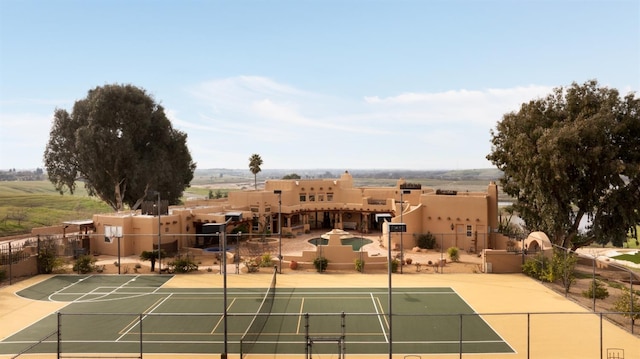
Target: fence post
point(38, 252)
point(59, 344)
point(461, 336)
point(140, 325)
point(601, 347)
point(594, 283)
point(631, 300)
point(10, 266)
point(528, 335)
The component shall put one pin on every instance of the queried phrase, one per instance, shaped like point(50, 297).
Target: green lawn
point(28, 204)
point(635, 258)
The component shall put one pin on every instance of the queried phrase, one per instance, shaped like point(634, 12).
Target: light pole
point(224, 285)
point(223, 228)
point(595, 258)
point(159, 235)
point(389, 294)
point(279, 193)
point(393, 227)
point(404, 191)
point(236, 257)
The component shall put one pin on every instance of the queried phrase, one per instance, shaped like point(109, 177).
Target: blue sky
point(311, 84)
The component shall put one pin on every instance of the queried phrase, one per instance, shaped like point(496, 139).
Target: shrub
point(152, 256)
point(48, 261)
point(454, 254)
point(394, 265)
point(559, 267)
point(426, 241)
point(596, 288)
point(623, 304)
point(253, 265)
point(265, 260)
point(359, 264)
point(84, 264)
point(562, 267)
point(536, 267)
point(320, 263)
point(183, 265)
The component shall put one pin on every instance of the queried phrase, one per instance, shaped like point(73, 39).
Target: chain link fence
point(520, 335)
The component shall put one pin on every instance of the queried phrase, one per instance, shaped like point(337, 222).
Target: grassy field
point(28, 204)
point(634, 258)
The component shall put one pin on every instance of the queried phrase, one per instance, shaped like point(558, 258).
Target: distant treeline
point(485, 174)
point(22, 175)
point(469, 174)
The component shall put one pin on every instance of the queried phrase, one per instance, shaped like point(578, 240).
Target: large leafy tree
point(255, 161)
point(574, 154)
point(120, 143)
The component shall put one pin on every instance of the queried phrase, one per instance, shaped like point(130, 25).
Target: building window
point(312, 198)
point(255, 224)
point(303, 197)
point(329, 197)
point(469, 231)
point(320, 198)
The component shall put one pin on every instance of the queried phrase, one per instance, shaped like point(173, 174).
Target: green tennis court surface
point(134, 314)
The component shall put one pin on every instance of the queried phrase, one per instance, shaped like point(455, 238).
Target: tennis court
point(320, 316)
point(117, 314)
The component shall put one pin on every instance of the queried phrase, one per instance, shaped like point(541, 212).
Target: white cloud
point(229, 119)
point(294, 128)
point(465, 106)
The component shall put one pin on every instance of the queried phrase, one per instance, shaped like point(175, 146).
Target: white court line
point(144, 316)
point(384, 332)
point(105, 294)
point(63, 288)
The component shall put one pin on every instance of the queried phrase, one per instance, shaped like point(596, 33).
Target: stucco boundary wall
point(24, 268)
point(500, 261)
point(535, 321)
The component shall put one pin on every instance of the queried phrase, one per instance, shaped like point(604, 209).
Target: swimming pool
point(355, 242)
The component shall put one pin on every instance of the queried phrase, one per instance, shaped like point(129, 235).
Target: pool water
point(218, 249)
point(355, 242)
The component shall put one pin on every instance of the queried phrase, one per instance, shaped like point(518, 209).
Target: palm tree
point(255, 161)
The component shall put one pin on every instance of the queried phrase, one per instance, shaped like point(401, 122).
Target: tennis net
point(251, 335)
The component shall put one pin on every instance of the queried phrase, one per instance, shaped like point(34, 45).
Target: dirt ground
point(612, 281)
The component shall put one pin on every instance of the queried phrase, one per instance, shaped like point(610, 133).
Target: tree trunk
point(118, 198)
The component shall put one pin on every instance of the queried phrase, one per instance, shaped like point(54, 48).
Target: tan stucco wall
point(25, 268)
point(140, 233)
point(462, 219)
point(501, 261)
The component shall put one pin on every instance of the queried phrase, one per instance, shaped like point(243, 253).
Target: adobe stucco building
point(466, 220)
